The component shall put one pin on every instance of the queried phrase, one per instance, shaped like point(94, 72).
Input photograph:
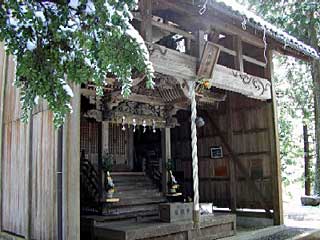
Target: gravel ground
point(285, 234)
point(296, 215)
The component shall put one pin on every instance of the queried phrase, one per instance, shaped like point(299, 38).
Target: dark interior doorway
point(147, 149)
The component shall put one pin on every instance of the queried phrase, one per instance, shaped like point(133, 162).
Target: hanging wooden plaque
point(209, 59)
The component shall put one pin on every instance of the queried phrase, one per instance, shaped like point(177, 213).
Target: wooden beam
point(242, 213)
point(3, 81)
point(173, 63)
point(213, 36)
point(145, 7)
point(244, 57)
point(237, 162)
point(227, 50)
point(236, 81)
point(274, 146)
point(254, 61)
point(71, 169)
point(167, 27)
point(182, 66)
point(142, 99)
point(189, 15)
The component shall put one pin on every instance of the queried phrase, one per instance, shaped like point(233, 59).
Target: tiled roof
point(258, 23)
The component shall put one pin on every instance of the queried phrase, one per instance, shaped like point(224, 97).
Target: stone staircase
point(139, 196)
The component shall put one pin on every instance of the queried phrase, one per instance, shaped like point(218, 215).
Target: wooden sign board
point(209, 59)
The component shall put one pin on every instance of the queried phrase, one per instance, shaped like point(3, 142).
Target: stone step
point(147, 208)
point(133, 182)
point(139, 201)
point(137, 193)
point(137, 186)
point(125, 216)
point(127, 173)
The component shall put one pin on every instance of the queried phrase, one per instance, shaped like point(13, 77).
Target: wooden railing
point(89, 187)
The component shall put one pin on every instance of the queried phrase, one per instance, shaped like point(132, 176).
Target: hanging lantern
point(134, 123)
point(123, 123)
point(144, 124)
point(153, 126)
point(200, 122)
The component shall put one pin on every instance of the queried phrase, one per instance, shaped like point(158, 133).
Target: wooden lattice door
point(89, 140)
point(118, 147)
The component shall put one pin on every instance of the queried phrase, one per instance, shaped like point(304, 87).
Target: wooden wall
point(28, 163)
point(16, 198)
point(44, 183)
point(248, 127)
point(14, 156)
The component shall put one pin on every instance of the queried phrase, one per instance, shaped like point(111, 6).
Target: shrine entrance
point(147, 150)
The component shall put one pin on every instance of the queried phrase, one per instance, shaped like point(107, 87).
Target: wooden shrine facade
point(238, 150)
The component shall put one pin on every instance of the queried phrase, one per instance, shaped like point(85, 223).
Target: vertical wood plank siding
point(44, 152)
point(14, 159)
point(16, 195)
point(14, 176)
point(3, 73)
point(250, 143)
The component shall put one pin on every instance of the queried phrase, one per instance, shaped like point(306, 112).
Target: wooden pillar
point(104, 144)
point(145, 7)
point(274, 147)
point(166, 155)
point(105, 137)
point(197, 46)
point(238, 63)
point(28, 184)
point(130, 148)
point(100, 171)
point(3, 81)
point(237, 44)
point(71, 170)
point(307, 180)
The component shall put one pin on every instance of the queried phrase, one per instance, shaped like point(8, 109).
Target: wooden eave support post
point(274, 146)
point(166, 155)
point(238, 63)
point(71, 170)
point(145, 7)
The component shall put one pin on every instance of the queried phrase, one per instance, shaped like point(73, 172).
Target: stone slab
point(310, 201)
point(211, 227)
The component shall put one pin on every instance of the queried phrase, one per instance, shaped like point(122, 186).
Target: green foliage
point(74, 41)
point(300, 18)
point(295, 103)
